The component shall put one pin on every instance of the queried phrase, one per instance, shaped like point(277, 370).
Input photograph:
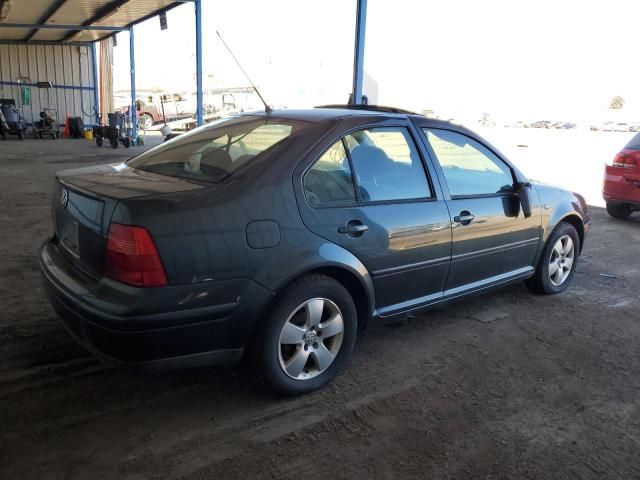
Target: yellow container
point(88, 134)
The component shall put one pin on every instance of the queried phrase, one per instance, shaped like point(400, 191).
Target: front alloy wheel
point(561, 261)
point(558, 261)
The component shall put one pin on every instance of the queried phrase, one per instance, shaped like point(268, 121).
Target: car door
point(492, 239)
point(370, 193)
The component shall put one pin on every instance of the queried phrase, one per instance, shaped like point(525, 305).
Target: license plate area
point(69, 238)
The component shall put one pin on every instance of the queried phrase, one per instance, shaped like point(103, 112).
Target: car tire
point(561, 251)
point(146, 121)
point(619, 210)
point(285, 368)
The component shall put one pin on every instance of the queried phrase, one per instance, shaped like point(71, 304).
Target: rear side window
point(634, 144)
point(468, 166)
point(329, 181)
point(387, 165)
point(212, 154)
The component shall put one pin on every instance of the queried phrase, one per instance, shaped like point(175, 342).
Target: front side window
point(468, 166)
point(387, 165)
point(329, 181)
point(214, 153)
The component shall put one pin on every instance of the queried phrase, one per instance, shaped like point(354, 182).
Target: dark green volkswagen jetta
point(278, 236)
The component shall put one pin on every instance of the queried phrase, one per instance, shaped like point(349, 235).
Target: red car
point(622, 181)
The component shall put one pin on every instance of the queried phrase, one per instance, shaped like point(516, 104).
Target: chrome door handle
point(465, 218)
point(353, 228)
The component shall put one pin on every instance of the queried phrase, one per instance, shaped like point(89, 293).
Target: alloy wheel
point(561, 261)
point(311, 339)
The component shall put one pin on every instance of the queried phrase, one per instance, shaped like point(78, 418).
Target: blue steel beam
point(60, 26)
point(199, 95)
point(132, 64)
point(54, 85)
point(96, 102)
point(358, 58)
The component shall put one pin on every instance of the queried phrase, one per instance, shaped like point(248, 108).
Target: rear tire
point(99, 141)
point(20, 134)
point(321, 311)
point(619, 210)
point(558, 262)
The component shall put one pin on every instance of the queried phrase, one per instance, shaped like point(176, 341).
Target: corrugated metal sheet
point(13, 33)
point(68, 67)
point(27, 11)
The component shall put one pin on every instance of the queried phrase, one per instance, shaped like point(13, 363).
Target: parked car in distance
point(541, 124)
point(620, 127)
point(621, 189)
point(149, 106)
point(279, 236)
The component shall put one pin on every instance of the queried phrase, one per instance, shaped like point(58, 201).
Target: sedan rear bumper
point(174, 326)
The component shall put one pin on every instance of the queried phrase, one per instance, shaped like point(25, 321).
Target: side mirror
point(523, 189)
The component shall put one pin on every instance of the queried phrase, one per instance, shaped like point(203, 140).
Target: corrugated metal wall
point(69, 67)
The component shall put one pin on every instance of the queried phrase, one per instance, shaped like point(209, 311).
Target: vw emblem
point(64, 198)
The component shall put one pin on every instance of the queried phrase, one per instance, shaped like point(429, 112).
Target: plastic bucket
point(88, 134)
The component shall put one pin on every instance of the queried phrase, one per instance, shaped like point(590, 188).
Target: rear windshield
point(212, 154)
point(634, 144)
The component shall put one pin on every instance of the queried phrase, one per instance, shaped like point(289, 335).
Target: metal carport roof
point(48, 21)
point(78, 21)
point(36, 20)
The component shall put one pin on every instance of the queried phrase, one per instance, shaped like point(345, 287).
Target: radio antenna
point(267, 108)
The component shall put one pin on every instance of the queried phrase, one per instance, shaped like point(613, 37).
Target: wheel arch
point(576, 221)
point(354, 286)
point(356, 280)
point(360, 289)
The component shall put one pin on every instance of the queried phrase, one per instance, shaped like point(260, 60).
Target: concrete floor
point(508, 385)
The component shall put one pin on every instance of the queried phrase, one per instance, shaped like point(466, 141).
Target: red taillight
point(132, 257)
point(627, 159)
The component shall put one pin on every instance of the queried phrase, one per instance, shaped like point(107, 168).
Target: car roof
point(323, 113)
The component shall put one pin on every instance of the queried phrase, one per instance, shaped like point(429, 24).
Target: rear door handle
point(465, 218)
point(354, 228)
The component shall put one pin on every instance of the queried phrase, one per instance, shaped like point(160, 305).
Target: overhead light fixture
point(5, 6)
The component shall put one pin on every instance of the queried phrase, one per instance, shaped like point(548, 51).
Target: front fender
point(558, 204)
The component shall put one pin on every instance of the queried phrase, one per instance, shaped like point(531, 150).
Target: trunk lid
point(85, 199)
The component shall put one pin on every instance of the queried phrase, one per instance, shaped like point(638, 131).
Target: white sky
point(528, 59)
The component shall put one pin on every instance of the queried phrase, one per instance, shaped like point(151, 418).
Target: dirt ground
point(508, 385)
